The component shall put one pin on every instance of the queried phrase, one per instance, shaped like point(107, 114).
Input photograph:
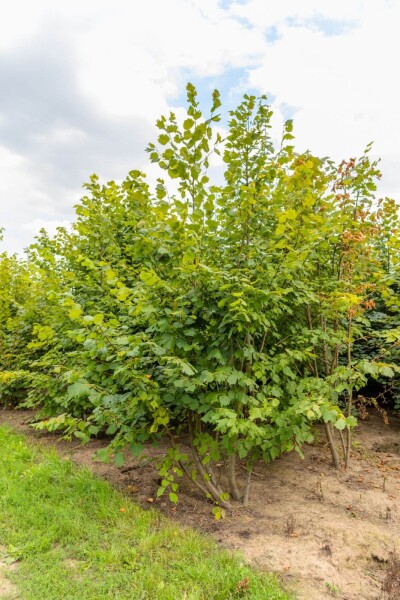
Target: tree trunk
point(332, 445)
point(234, 489)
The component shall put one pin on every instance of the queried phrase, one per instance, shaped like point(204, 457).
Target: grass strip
point(75, 537)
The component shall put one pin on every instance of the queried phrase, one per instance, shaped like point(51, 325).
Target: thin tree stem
point(247, 486)
point(332, 445)
point(234, 489)
point(350, 399)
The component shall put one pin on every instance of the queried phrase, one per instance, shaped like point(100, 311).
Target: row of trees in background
point(232, 316)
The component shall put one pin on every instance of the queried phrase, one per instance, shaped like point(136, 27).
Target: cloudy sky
point(82, 82)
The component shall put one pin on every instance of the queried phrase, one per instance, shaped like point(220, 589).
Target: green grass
point(66, 529)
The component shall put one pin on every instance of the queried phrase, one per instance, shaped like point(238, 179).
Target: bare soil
point(326, 533)
point(7, 589)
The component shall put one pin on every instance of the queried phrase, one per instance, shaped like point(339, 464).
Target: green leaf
point(386, 371)
point(291, 214)
point(188, 124)
point(136, 449)
point(173, 497)
point(84, 437)
point(78, 389)
point(218, 512)
point(119, 459)
point(163, 139)
point(340, 424)
point(75, 313)
point(103, 455)
point(187, 369)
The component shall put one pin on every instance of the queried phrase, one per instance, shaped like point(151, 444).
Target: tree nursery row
point(246, 296)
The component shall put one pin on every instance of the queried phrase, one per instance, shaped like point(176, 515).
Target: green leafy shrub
point(225, 315)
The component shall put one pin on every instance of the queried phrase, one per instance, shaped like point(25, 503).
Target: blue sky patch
point(272, 34)
point(228, 3)
point(325, 25)
point(231, 85)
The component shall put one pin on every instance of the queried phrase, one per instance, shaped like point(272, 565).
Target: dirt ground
point(326, 533)
point(7, 589)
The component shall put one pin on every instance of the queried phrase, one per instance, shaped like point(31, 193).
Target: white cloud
point(129, 64)
point(50, 226)
point(23, 194)
point(344, 85)
point(85, 82)
point(263, 15)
